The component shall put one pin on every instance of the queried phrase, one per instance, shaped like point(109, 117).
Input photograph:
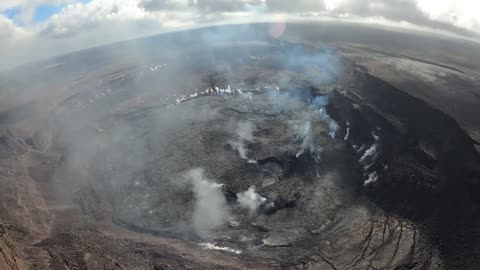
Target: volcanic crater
point(242, 155)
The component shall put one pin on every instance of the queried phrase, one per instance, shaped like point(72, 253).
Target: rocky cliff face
point(427, 166)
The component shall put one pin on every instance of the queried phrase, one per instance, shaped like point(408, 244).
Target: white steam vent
point(244, 134)
point(372, 151)
point(372, 178)
point(250, 200)
point(348, 132)
point(215, 247)
point(210, 204)
point(239, 146)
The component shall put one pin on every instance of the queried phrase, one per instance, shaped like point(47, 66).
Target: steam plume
point(210, 206)
point(250, 199)
point(320, 102)
point(244, 133)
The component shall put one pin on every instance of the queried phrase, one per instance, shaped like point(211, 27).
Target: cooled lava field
point(224, 148)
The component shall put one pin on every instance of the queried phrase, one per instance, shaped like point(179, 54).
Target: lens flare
point(277, 29)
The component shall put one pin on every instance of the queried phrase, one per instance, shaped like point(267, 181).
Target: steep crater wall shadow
point(426, 166)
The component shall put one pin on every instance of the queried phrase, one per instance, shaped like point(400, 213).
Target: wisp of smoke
point(320, 102)
point(301, 60)
point(245, 130)
point(306, 133)
point(302, 129)
point(250, 200)
point(370, 151)
point(372, 178)
point(210, 204)
point(347, 134)
point(303, 134)
point(244, 133)
point(332, 125)
point(240, 147)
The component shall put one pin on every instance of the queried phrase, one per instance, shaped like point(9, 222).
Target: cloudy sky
point(32, 29)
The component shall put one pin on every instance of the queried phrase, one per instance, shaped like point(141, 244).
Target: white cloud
point(81, 25)
point(6, 4)
point(424, 13)
point(27, 7)
point(299, 6)
point(77, 17)
point(462, 13)
point(11, 34)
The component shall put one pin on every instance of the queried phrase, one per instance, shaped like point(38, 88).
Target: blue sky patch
point(43, 12)
point(11, 13)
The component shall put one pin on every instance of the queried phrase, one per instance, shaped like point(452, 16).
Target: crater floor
point(238, 155)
